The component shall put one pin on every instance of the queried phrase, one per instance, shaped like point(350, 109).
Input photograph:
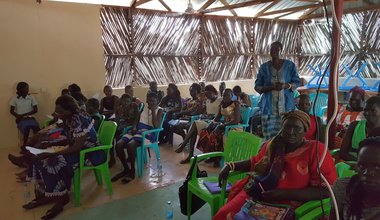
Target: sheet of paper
point(52, 149)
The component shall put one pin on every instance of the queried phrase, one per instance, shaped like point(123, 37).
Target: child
point(109, 103)
point(153, 89)
point(92, 108)
point(127, 114)
point(23, 107)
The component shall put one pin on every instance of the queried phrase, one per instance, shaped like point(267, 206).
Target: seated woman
point(304, 104)
point(212, 108)
point(23, 107)
point(222, 87)
point(133, 138)
point(358, 197)
point(92, 108)
point(53, 172)
point(211, 138)
point(193, 106)
point(242, 97)
point(76, 93)
point(349, 113)
point(108, 104)
point(285, 169)
point(153, 89)
point(359, 130)
point(171, 103)
point(129, 91)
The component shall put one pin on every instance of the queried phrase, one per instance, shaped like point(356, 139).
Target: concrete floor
point(93, 195)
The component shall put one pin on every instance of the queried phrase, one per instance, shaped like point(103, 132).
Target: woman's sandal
point(184, 161)
point(128, 178)
point(180, 148)
point(118, 176)
point(52, 213)
point(33, 204)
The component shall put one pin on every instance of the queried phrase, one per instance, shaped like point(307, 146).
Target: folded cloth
point(214, 188)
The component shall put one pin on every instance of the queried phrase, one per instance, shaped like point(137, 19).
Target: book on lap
point(214, 188)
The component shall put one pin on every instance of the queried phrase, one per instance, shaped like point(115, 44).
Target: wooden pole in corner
point(334, 73)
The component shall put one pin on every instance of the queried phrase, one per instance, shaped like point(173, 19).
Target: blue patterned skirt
point(141, 127)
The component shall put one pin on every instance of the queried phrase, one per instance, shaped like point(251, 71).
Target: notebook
point(214, 188)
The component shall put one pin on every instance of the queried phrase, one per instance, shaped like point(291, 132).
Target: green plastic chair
point(102, 118)
point(106, 135)
point(239, 146)
point(141, 150)
point(245, 115)
point(312, 210)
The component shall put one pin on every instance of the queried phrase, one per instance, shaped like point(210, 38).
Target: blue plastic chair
point(351, 76)
point(320, 104)
point(141, 155)
point(254, 100)
point(245, 115)
point(375, 87)
point(318, 73)
point(141, 107)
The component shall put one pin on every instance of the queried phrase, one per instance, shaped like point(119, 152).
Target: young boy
point(92, 108)
point(23, 107)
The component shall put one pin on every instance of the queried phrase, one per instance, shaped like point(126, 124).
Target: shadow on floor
point(150, 205)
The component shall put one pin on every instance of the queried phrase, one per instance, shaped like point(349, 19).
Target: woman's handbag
point(196, 202)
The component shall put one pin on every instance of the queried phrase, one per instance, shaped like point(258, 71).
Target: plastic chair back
point(162, 122)
point(254, 100)
point(245, 114)
point(344, 170)
point(241, 146)
point(141, 107)
point(319, 103)
point(102, 118)
point(107, 132)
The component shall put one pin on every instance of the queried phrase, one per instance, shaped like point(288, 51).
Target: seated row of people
point(52, 173)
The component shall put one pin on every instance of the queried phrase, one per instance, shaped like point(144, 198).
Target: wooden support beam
point(165, 5)
point(299, 8)
point(368, 2)
point(142, 2)
point(206, 5)
point(225, 3)
point(238, 5)
point(133, 4)
point(346, 11)
point(284, 15)
point(315, 1)
point(308, 12)
point(266, 8)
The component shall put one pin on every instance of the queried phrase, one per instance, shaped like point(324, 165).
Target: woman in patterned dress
point(349, 113)
point(211, 138)
point(52, 173)
point(276, 81)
